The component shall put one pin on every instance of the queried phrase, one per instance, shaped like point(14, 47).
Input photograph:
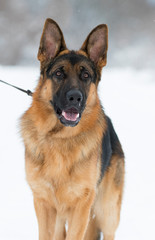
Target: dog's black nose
point(74, 96)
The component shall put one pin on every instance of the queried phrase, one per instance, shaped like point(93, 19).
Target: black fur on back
point(110, 146)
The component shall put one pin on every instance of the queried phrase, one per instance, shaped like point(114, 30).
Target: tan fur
point(63, 168)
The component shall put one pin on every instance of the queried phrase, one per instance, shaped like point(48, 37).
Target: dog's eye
point(85, 75)
point(59, 74)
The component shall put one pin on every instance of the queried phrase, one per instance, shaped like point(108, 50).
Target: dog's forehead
point(72, 58)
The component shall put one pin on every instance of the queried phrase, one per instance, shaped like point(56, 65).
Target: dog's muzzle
point(70, 113)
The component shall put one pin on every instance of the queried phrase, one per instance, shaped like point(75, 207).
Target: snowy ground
point(128, 97)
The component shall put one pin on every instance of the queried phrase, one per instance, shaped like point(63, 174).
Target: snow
point(128, 97)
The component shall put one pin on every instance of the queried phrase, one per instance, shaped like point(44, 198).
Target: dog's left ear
point(96, 45)
point(52, 42)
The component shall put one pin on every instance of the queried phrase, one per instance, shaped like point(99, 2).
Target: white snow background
point(128, 97)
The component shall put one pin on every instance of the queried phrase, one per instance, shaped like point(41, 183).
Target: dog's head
point(67, 76)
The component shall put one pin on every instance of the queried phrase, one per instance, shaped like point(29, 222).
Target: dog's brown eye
point(86, 75)
point(59, 73)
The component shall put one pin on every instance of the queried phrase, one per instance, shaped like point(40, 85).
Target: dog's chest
point(59, 193)
point(64, 177)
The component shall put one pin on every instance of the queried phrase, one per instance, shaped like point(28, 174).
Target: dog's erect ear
point(96, 45)
point(51, 43)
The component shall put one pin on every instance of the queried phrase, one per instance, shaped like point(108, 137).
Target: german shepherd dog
point(74, 160)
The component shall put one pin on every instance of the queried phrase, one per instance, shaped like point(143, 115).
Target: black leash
point(28, 92)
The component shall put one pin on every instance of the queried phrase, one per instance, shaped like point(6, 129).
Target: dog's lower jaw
point(68, 123)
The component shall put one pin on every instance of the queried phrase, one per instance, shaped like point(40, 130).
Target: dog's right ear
point(51, 43)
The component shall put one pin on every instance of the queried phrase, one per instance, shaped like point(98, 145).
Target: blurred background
point(131, 28)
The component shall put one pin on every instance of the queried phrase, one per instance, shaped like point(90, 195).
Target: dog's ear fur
point(96, 45)
point(51, 43)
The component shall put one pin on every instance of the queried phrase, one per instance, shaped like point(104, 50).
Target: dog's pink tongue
point(70, 115)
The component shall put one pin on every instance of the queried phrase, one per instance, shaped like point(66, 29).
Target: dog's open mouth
point(69, 117)
point(70, 114)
